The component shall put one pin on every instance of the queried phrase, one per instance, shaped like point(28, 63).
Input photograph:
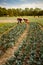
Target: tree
point(36, 11)
point(4, 11)
point(40, 13)
point(27, 11)
point(10, 12)
point(20, 12)
point(31, 12)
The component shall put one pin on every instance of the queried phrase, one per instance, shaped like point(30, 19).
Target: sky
point(21, 4)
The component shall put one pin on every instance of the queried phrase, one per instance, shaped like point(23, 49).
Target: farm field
point(23, 43)
point(14, 19)
point(5, 26)
point(8, 40)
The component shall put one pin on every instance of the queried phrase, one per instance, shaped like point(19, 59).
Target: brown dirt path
point(41, 26)
point(7, 31)
point(11, 51)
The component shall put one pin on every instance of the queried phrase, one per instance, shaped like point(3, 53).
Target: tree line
point(21, 12)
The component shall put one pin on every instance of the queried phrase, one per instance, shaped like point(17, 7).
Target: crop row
point(9, 39)
point(5, 27)
point(31, 50)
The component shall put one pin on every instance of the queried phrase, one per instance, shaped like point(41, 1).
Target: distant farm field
point(14, 19)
